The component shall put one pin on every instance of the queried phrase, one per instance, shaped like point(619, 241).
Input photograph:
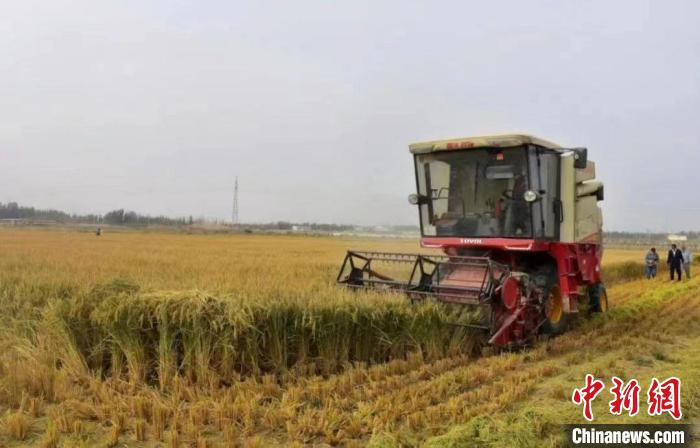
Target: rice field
point(164, 339)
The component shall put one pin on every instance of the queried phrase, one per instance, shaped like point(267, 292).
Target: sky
point(156, 106)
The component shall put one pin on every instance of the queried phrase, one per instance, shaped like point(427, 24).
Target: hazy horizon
point(156, 107)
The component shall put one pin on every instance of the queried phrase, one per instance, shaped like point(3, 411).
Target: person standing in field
point(687, 261)
point(652, 261)
point(675, 261)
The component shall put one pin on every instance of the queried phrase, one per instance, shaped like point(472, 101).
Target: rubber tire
point(602, 303)
point(551, 327)
point(604, 298)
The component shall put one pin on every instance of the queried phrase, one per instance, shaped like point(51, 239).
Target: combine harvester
point(518, 220)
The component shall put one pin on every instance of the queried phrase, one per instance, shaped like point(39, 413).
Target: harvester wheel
point(603, 300)
point(556, 321)
point(598, 298)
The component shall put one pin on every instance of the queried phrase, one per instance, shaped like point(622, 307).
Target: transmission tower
point(234, 213)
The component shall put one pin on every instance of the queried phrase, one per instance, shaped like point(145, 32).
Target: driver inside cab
point(483, 198)
point(512, 209)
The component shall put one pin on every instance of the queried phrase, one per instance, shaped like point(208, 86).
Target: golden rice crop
point(219, 340)
point(120, 331)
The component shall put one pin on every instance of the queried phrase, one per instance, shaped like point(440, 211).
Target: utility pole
point(234, 213)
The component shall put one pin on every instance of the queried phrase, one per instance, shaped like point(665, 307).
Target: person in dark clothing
point(675, 261)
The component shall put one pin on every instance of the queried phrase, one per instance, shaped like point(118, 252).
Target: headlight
point(530, 196)
point(413, 199)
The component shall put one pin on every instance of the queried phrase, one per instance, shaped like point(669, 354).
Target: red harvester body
point(518, 221)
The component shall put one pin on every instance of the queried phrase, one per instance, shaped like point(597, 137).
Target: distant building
point(677, 238)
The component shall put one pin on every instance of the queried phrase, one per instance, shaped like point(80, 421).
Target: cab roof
point(484, 141)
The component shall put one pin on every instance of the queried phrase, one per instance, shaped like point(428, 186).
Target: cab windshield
point(475, 193)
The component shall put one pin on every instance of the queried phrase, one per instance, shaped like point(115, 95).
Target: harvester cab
point(518, 221)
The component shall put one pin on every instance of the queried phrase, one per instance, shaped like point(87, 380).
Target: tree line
point(12, 210)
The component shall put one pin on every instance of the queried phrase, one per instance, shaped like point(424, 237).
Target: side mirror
point(580, 157)
point(417, 199)
point(531, 196)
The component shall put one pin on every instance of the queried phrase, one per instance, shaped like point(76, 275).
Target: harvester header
point(518, 220)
